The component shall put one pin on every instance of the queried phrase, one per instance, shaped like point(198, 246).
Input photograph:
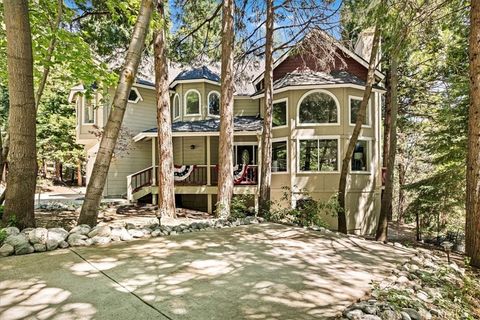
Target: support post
point(154, 170)
point(209, 177)
point(259, 169)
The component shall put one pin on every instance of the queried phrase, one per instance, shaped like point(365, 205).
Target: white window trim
point(286, 110)
point(199, 103)
point(94, 104)
point(139, 96)
point(299, 124)
point(176, 96)
point(369, 156)
point(208, 103)
point(285, 139)
point(332, 137)
point(368, 113)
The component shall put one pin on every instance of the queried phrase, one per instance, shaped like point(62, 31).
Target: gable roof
point(341, 47)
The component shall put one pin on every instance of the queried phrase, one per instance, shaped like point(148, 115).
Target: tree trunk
point(472, 227)
point(401, 191)
point(21, 179)
point(89, 212)
point(166, 191)
point(225, 159)
point(342, 188)
point(382, 227)
point(266, 172)
point(386, 126)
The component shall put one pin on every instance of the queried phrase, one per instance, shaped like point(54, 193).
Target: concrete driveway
point(263, 271)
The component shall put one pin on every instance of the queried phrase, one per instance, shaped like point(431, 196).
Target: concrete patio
point(263, 271)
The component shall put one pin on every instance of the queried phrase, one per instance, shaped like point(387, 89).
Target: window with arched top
point(192, 103)
point(176, 106)
point(318, 107)
point(214, 103)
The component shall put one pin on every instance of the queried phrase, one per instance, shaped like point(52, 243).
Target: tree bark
point(166, 188)
point(386, 126)
point(472, 226)
point(225, 159)
point(89, 213)
point(382, 227)
point(21, 179)
point(401, 192)
point(342, 187)
point(266, 171)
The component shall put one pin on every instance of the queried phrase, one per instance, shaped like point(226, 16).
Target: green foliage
point(239, 207)
point(186, 16)
point(1, 211)
point(56, 129)
point(308, 212)
point(3, 236)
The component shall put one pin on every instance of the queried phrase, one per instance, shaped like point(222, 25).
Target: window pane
point(193, 103)
point(279, 156)
point(359, 159)
point(214, 104)
point(318, 108)
point(279, 114)
point(354, 108)
point(88, 114)
point(132, 97)
point(328, 155)
point(176, 107)
point(308, 155)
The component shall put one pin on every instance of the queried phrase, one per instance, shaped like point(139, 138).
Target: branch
point(208, 20)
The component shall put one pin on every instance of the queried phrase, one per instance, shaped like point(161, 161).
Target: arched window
point(176, 106)
point(192, 102)
point(214, 103)
point(318, 107)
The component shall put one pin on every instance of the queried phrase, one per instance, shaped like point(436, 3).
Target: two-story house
point(314, 114)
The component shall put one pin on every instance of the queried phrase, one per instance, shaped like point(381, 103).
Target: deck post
point(154, 170)
point(209, 176)
point(259, 169)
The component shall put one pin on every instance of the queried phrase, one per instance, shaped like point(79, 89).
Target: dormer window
point(214, 103)
point(192, 103)
point(134, 96)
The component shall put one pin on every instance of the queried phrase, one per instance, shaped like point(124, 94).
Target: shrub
point(1, 212)
point(3, 236)
point(308, 212)
point(239, 207)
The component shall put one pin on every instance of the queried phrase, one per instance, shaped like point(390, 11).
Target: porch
point(195, 153)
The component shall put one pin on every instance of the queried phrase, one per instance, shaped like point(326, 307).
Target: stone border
point(32, 240)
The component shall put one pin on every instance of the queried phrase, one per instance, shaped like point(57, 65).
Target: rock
point(355, 314)
point(414, 315)
point(38, 235)
point(173, 232)
point(370, 309)
point(100, 231)
point(11, 231)
point(390, 315)
point(63, 245)
point(100, 240)
point(370, 317)
point(422, 295)
point(398, 245)
point(146, 231)
point(55, 236)
point(424, 314)
point(136, 233)
point(402, 280)
point(130, 226)
point(77, 240)
point(88, 242)
point(27, 231)
point(16, 240)
point(156, 233)
point(24, 248)
point(6, 250)
point(81, 229)
point(405, 316)
point(39, 247)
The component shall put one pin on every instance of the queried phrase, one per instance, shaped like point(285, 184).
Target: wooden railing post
point(129, 189)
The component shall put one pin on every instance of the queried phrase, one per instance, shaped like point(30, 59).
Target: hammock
point(239, 173)
point(181, 173)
